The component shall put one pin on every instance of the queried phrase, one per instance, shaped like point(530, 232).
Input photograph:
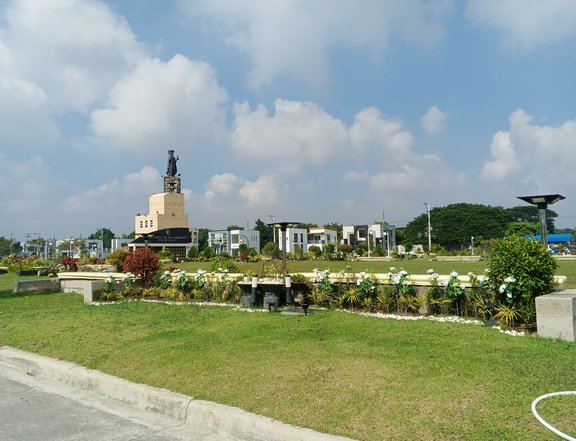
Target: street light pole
point(368, 241)
point(542, 202)
point(472, 244)
point(429, 228)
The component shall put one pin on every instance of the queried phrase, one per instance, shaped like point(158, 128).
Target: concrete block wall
point(88, 288)
point(556, 315)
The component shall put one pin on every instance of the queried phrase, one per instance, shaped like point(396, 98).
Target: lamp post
point(542, 202)
point(472, 244)
point(429, 228)
point(368, 241)
point(283, 227)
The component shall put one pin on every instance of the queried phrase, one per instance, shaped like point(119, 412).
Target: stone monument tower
point(166, 224)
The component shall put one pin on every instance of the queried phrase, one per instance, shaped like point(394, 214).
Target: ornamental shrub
point(117, 258)
point(529, 263)
point(143, 263)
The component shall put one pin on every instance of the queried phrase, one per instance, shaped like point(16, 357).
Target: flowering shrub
point(401, 281)
point(455, 291)
point(165, 280)
point(199, 279)
point(365, 285)
point(507, 289)
point(183, 283)
point(129, 280)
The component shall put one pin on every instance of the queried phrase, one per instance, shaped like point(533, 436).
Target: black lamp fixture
point(542, 202)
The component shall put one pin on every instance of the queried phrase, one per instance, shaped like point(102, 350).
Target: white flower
point(434, 276)
point(502, 288)
point(509, 295)
point(453, 274)
point(471, 274)
point(430, 271)
point(392, 269)
point(509, 280)
point(486, 270)
point(403, 273)
point(396, 279)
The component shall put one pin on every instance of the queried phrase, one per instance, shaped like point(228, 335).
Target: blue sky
point(323, 111)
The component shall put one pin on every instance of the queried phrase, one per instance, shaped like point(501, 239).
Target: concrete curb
point(208, 415)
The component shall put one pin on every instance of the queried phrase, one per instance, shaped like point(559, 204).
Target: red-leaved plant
point(143, 263)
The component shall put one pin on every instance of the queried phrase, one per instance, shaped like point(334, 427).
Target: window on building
point(151, 223)
point(295, 237)
point(141, 224)
point(301, 238)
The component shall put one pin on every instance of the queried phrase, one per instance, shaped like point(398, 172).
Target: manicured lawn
point(362, 377)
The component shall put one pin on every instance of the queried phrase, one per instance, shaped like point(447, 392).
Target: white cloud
point(540, 157)
point(434, 120)
point(23, 104)
point(372, 131)
point(293, 37)
point(178, 102)
point(227, 188)
point(504, 163)
point(298, 133)
point(74, 50)
point(526, 25)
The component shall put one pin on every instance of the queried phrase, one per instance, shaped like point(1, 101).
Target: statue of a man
point(171, 169)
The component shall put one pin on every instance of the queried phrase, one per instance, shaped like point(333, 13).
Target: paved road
point(34, 409)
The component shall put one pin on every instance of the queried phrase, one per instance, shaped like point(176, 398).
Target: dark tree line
point(454, 225)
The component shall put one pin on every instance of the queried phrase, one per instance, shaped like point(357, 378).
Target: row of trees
point(454, 225)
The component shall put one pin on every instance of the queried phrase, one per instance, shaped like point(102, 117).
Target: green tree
point(529, 213)
point(5, 246)
point(202, 239)
point(522, 228)
point(104, 234)
point(271, 250)
point(193, 252)
point(454, 225)
point(234, 227)
point(266, 231)
point(305, 226)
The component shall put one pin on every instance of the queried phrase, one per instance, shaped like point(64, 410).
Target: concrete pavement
point(46, 399)
point(32, 409)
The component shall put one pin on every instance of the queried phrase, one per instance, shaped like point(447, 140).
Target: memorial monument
point(165, 227)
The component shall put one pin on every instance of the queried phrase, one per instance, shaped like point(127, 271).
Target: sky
point(347, 111)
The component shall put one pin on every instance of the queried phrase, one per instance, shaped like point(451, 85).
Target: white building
point(321, 237)
point(296, 239)
point(382, 237)
point(224, 241)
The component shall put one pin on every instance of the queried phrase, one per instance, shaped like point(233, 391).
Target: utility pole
point(429, 228)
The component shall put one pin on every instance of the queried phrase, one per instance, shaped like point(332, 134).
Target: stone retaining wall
point(33, 286)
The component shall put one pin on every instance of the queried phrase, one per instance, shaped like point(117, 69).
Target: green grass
point(413, 266)
point(346, 374)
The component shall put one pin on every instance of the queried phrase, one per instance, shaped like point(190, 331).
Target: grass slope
point(346, 374)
